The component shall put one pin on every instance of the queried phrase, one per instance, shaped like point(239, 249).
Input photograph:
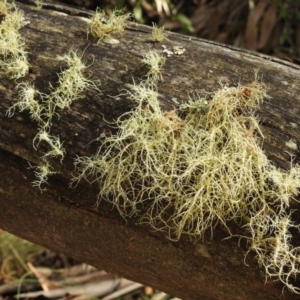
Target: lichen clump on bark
point(13, 56)
point(102, 27)
point(188, 170)
point(72, 82)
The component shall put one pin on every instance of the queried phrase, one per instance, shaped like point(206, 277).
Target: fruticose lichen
point(13, 57)
point(44, 107)
point(102, 27)
point(158, 33)
point(184, 170)
point(187, 170)
point(154, 61)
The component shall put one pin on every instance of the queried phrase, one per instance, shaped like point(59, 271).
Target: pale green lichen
point(54, 143)
point(186, 171)
point(29, 99)
point(38, 4)
point(154, 61)
point(158, 33)
point(102, 27)
point(13, 57)
point(42, 173)
point(72, 82)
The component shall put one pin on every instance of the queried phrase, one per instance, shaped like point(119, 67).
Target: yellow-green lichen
point(44, 107)
point(158, 33)
point(13, 56)
point(186, 171)
point(102, 27)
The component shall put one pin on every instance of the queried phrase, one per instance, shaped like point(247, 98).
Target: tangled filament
point(186, 172)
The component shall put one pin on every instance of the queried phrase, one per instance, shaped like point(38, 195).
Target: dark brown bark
point(65, 219)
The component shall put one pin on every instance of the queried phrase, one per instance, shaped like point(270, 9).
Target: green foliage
point(186, 24)
point(137, 11)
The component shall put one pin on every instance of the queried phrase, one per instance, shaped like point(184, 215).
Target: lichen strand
point(42, 173)
point(102, 27)
point(158, 33)
point(187, 171)
point(13, 57)
point(29, 99)
point(44, 107)
point(154, 61)
point(71, 84)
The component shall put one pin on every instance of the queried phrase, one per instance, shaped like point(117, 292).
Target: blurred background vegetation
point(29, 271)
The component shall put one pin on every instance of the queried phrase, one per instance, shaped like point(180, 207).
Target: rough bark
point(66, 220)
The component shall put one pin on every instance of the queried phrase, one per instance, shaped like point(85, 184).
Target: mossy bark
point(65, 219)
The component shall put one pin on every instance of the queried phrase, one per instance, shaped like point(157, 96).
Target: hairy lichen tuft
point(186, 171)
point(42, 173)
point(72, 82)
point(154, 61)
point(29, 99)
point(13, 57)
point(102, 27)
point(158, 33)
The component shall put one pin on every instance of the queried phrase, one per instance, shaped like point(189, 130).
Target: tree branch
point(66, 220)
